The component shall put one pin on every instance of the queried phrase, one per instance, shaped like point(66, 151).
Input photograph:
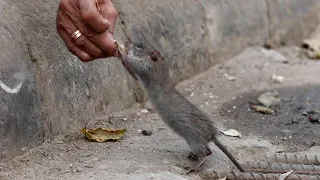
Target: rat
point(148, 65)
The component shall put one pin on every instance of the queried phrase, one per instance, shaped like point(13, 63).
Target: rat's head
point(144, 61)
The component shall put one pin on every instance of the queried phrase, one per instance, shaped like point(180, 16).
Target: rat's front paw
point(193, 157)
point(208, 151)
point(197, 165)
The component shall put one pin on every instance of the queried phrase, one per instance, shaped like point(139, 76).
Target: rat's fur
point(176, 111)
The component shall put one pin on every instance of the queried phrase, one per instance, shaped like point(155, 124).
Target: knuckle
point(60, 25)
point(64, 4)
point(81, 42)
point(88, 15)
point(60, 22)
point(85, 58)
point(60, 34)
point(88, 33)
point(114, 14)
point(72, 49)
point(58, 28)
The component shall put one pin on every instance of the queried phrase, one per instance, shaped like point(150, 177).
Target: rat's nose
point(126, 44)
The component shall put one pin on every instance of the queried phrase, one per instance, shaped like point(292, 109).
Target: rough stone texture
point(71, 91)
point(20, 125)
point(291, 20)
point(233, 25)
point(193, 34)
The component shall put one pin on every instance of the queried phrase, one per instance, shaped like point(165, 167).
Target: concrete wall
point(20, 123)
point(45, 91)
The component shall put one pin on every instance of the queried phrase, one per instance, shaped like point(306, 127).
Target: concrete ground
point(163, 154)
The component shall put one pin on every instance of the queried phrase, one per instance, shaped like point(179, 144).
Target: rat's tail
point(225, 151)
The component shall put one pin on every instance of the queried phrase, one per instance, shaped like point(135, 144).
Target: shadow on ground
point(289, 126)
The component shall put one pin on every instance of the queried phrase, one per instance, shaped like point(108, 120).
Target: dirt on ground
point(291, 124)
point(224, 92)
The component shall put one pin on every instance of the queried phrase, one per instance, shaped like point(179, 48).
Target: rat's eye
point(140, 46)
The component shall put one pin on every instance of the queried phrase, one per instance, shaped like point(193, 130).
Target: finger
point(83, 56)
point(105, 43)
point(94, 44)
point(62, 28)
point(91, 16)
point(109, 12)
point(102, 41)
point(82, 42)
point(105, 40)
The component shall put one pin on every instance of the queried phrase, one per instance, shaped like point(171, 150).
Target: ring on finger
point(75, 35)
point(80, 41)
point(87, 46)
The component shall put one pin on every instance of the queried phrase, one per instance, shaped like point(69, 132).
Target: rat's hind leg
point(198, 155)
point(192, 156)
point(198, 150)
point(197, 165)
point(208, 151)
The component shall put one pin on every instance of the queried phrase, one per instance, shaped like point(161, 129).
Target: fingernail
point(110, 36)
point(105, 21)
point(116, 54)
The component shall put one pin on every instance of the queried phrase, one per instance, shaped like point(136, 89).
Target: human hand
point(95, 21)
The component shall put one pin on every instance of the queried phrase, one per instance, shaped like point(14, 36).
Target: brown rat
point(178, 113)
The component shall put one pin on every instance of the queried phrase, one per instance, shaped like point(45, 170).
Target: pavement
point(224, 93)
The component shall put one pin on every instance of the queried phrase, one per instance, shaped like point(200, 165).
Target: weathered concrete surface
point(71, 91)
point(233, 25)
point(163, 154)
point(20, 125)
point(291, 20)
point(193, 35)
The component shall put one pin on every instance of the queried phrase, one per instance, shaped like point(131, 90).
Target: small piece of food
point(120, 47)
point(262, 109)
point(102, 134)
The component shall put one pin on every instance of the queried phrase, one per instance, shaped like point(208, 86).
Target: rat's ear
point(155, 55)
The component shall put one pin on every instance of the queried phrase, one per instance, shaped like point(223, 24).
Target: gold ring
point(75, 35)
